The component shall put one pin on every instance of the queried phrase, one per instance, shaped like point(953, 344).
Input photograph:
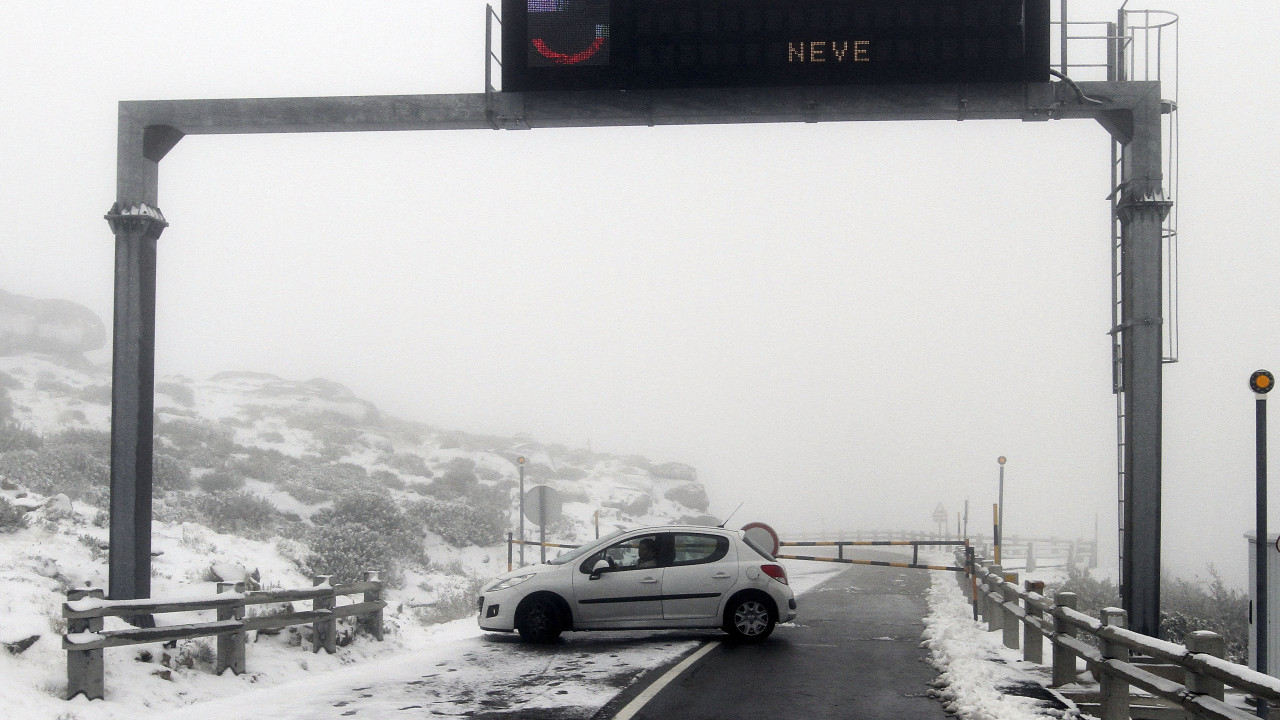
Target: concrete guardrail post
point(1010, 624)
point(1064, 661)
point(325, 632)
point(84, 667)
point(1207, 643)
point(995, 613)
point(231, 645)
point(980, 587)
point(373, 621)
point(1114, 704)
point(1032, 637)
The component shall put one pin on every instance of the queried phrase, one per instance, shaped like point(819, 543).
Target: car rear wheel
point(538, 620)
point(749, 619)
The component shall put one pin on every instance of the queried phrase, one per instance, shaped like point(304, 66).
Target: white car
point(650, 578)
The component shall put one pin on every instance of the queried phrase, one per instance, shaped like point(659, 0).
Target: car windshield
point(581, 550)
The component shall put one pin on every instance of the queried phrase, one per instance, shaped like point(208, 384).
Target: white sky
point(842, 325)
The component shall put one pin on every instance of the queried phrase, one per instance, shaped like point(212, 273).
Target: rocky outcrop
point(691, 495)
point(55, 327)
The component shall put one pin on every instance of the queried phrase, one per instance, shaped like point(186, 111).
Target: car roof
point(696, 528)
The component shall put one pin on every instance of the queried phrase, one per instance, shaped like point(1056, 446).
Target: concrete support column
point(137, 227)
point(1114, 689)
point(1064, 661)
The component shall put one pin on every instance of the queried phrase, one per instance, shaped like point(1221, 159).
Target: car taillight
point(776, 572)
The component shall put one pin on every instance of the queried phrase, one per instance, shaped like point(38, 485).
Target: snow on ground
point(975, 668)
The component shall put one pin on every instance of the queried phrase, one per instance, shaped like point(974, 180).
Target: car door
point(702, 569)
point(628, 592)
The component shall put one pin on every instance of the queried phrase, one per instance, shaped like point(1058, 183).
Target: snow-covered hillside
point(255, 473)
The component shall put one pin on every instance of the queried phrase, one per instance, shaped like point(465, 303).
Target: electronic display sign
point(639, 44)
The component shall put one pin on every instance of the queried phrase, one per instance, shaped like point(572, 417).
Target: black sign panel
point(626, 44)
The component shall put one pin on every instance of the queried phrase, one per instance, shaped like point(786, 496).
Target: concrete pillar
point(1114, 703)
point(1009, 594)
point(1032, 637)
point(1064, 661)
point(995, 613)
point(1207, 643)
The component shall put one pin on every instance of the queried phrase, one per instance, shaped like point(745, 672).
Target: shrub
point(1190, 605)
point(408, 463)
point(11, 518)
point(236, 511)
point(6, 405)
point(402, 535)
point(260, 464)
point(347, 550)
point(457, 482)
point(220, 481)
point(99, 440)
point(200, 443)
point(94, 394)
point(170, 473)
point(74, 469)
point(461, 523)
point(180, 392)
point(15, 437)
point(387, 479)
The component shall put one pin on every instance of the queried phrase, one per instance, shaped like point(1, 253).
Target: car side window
point(634, 553)
point(696, 549)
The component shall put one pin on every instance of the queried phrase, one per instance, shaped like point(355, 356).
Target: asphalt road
point(853, 653)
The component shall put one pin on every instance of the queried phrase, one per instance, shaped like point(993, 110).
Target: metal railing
point(1118, 658)
point(85, 609)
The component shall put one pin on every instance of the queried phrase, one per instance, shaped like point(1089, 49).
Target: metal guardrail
point(1122, 659)
point(85, 609)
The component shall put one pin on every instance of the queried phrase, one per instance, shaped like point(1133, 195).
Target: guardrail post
point(1009, 594)
point(1064, 661)
point(231, 645)
point(84, 667)
point(1032, 637)
point(1208, 643)
point(325, 632)
point(995, 613)
point(1114, 689)
point(979, 589)
point(373, 621)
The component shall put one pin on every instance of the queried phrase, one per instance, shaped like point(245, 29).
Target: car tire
point(749, 618)
point(538, 620)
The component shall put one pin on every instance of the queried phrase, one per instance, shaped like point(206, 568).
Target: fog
point(840, 325)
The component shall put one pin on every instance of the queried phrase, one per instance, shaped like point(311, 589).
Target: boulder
point(56, 327)
point(691, 495)
point(18, 646)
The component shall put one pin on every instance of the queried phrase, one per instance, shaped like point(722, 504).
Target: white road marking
point(643, 698)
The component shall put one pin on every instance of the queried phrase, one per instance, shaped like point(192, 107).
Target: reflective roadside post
point(1000, 511)
point(1261, 382)
point(520, 462)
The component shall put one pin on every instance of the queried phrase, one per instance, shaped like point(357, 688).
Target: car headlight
point(506, 583)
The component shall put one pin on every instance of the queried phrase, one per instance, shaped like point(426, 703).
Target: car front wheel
point(749, 619)
point(538, 620)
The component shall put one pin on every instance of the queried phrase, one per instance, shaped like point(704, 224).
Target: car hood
point(526, 570)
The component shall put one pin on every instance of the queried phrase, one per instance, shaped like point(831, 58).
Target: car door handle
point(649, 580)
point(722, 576)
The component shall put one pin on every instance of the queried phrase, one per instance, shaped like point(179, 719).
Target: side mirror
point(599, 567)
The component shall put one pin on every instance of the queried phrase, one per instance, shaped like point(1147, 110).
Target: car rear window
point(762, 552)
